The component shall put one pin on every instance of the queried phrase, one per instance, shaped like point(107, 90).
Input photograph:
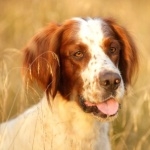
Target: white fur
point(64, 127)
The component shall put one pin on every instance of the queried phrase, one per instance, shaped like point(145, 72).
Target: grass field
point(20, 20)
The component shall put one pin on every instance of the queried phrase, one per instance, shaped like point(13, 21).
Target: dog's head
point(90, 61)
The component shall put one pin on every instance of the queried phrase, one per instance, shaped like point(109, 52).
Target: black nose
point(110, 80)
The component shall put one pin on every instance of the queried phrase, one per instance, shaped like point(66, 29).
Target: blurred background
point(20, 20)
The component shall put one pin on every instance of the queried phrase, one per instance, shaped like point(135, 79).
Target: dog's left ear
point(41, 58)
point(128, 63)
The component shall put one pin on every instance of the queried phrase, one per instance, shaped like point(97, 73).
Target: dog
point(84, 67)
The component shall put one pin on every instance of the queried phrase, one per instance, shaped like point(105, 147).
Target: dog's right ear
point(41, 58)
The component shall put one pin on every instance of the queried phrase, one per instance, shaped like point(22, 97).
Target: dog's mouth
point(106, 109)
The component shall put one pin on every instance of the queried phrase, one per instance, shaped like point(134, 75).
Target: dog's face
point(88, 61)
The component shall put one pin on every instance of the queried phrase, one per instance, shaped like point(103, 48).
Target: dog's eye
point(113, 50)
point(78, 54)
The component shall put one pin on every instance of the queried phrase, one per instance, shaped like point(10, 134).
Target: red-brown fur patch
point(41, 61)
point(128, 63)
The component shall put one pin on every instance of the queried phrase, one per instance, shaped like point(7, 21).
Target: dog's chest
point(73, 129)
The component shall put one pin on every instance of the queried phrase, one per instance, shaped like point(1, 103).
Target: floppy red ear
point(128, 63)
point(41, 58)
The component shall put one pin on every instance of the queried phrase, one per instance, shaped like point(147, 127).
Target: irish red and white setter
point(84, 67)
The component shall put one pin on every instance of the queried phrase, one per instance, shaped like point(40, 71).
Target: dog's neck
point(68, 121)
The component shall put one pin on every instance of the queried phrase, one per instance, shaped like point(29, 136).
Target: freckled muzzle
point(107, 106)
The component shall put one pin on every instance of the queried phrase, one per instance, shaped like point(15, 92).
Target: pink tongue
point(109, 107)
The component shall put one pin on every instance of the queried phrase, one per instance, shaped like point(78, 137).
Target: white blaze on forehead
point(91, 34)
point(90, 30)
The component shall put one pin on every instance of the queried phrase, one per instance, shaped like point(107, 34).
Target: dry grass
point(19, 20)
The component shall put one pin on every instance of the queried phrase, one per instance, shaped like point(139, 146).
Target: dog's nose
point(110, 80)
